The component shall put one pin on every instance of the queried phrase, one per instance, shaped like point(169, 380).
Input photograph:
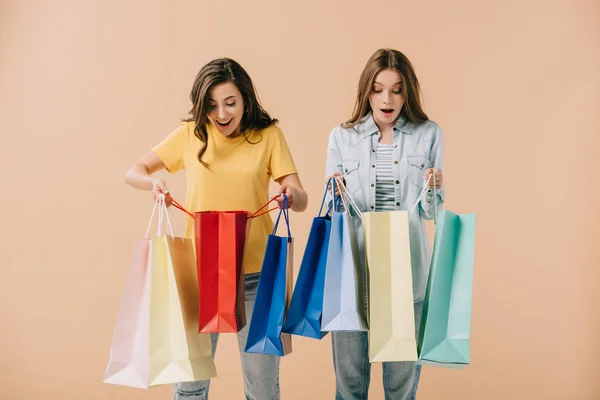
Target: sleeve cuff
point(429, 195)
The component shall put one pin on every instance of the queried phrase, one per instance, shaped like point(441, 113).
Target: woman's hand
point(338, 188)
point(160, 187)
point(292, 188)
point(290, 192)
point(438, 177)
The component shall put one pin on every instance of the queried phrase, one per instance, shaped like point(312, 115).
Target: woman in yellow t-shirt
point(229, 149)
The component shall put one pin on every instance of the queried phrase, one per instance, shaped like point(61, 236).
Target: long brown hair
point(394, 60)
point(219, 71)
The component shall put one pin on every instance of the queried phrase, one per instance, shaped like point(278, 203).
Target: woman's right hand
point(160, 187)
point(337, 186)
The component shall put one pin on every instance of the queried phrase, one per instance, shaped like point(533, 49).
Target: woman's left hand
point(438, 177)
point(292, 188)
point(289, 191)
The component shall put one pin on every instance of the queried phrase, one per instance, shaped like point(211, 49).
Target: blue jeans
point(353, 370)
point(261, 372)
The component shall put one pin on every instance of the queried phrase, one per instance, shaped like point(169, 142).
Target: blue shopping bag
point(344, 301)
point(273, 294)
point(306, 308)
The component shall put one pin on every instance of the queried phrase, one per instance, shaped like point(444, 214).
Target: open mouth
point(387, 112)
point(224, 124)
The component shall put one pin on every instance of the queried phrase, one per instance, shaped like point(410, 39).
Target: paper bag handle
point(344, 194)
point(162, 213)
point(422, 194)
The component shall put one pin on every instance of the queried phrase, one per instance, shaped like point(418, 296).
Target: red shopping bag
point(220, 240)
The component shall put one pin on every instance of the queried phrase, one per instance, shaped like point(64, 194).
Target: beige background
point(87, 87)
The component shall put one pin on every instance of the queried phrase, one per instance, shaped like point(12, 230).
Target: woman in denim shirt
point(386, 153)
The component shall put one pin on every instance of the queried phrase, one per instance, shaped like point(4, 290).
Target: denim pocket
point(351, 174)
point(417, 166)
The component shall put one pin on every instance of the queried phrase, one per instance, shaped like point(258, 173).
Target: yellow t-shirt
point(238, 178)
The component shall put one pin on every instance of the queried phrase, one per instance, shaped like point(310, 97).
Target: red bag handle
point(253, 215)
point(179, 206)
point(256, 214)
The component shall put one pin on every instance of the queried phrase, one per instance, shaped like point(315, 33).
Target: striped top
point(385, 196)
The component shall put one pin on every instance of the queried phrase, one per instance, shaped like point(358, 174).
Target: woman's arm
point(333, 166)
point(139, 175)
point(436, 159)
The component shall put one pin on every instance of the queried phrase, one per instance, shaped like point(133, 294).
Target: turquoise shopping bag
point(444, 336)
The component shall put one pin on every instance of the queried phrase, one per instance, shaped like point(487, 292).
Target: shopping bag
point(273, 295)
point(445, 332)
point(220, 238)
point(444, 335)
point(306, 307)
point(155, 341)
point(345, 298)
point(391, 302)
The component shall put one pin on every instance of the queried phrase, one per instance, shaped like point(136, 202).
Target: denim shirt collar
point(368, 127)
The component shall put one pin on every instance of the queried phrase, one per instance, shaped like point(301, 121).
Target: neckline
point(217, 136)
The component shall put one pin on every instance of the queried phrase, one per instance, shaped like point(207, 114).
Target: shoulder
point(426, 130)
point(272, 130)
point(426, 125)
point(345, 135)
point(352, 134)
point(269, 136)
point(271, 133)
point(185, 130)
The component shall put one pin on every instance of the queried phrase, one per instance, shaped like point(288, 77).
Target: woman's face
point(226, 108)
point(386, 98)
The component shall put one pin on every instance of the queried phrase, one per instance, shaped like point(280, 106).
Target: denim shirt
point(352, 152)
